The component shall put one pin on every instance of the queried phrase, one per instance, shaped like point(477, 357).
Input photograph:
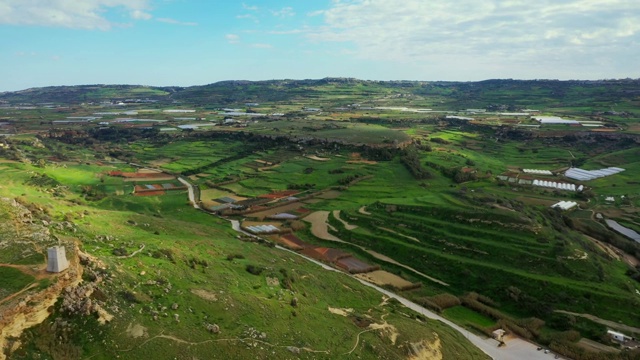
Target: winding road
point(515, 348)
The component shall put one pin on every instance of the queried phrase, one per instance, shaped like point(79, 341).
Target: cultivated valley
point(322, 219)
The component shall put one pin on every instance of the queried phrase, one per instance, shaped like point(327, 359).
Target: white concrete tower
point(57, 259)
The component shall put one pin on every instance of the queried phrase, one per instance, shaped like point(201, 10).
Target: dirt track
point(336, 214)
point(609, 323)
point(319, 226)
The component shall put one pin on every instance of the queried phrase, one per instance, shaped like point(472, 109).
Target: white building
point(617, 336)
point(57, 259)
point(584, 175)
point(565, 205)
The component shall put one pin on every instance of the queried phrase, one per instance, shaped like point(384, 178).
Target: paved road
point(515, 349)
point(192, 196)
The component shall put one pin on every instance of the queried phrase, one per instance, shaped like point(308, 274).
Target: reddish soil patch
point(150, 193)
point(302, 210)
point(140, 175)
point(295, 240)
point(291, 242)
point(355, 266)
point(325, 254)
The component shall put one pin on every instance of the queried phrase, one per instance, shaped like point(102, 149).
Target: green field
point(420, 191)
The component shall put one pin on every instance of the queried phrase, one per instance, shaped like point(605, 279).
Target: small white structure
point(498, 334)
point(57, 259)
point(610, 198)
point(617, 336)
point(555, 185)
point(536, 171)
point(261, 229)
point(565, 205)
point(554, 120)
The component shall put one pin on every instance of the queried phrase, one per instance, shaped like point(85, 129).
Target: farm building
point(220, 208)
point(453, 117)
point(226, 200)
point(618, 336)
point(537, 172)
point(583, 175)
point(565, 205)
point(262, 229)
point(177, 111)
point(283, 216)
point(554, 185)
point(554, 120)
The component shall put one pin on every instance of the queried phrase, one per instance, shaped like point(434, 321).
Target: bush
point(254, 270)
point(120, 252)
point(445, 301)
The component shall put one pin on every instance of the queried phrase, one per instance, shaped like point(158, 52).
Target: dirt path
point(591, 345)
point(336, 214)
point(316, 158)
point(604, 322)
point(37, 271)
point(250, 340)
point(16, 294)
point(397, 233)
point(363, 211)
point(133, 253)
point(357, 341)
point(319, 226)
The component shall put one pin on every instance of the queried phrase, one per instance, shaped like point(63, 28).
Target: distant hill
point(497, 92)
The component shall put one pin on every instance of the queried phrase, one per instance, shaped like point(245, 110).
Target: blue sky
point(193, 42)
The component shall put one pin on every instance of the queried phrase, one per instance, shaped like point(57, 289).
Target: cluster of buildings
point(556, 185)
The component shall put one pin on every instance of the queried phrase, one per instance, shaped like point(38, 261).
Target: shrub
point(445, 301)
point(255, 270)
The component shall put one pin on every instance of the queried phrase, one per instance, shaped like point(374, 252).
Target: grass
point(244, 301)
point(13, 280)
point(465, 316)
point(483, 236)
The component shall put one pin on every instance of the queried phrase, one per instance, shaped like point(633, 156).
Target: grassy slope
point(244, 301)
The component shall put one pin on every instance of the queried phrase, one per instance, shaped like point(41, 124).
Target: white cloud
point(232, 38)
point(284, 12)
point(85, 14)
point(140, 15)
point(176, 22)
point(487, 35)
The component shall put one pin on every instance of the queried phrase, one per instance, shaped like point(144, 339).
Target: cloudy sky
point(192, 42)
